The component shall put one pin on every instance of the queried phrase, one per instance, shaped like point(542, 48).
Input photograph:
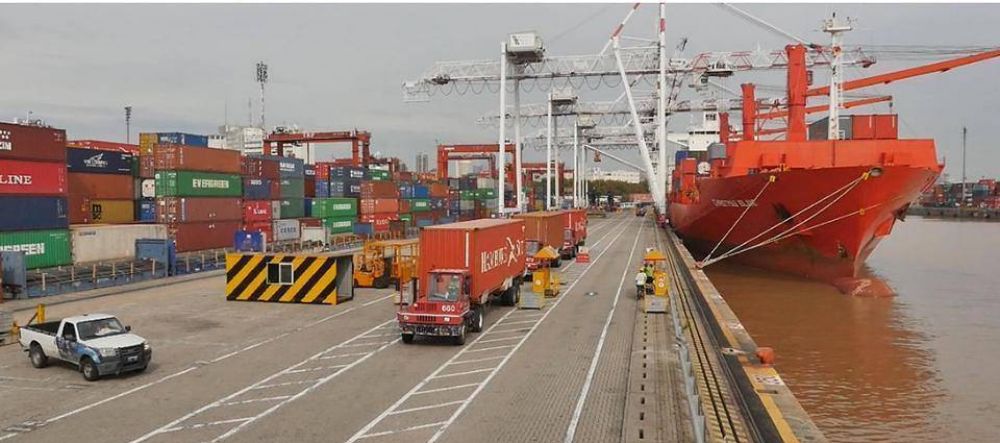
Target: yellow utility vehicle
point(381, 262)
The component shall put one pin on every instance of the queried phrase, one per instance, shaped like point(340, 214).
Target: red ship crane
point(445, 153)
point(360, 141)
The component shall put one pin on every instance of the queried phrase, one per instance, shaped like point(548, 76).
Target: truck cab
point(443, 309)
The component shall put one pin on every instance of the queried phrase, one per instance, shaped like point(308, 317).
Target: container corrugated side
point(286, 230)
point(339, 225)
point(491, 249)
point(110, 211)
point(197, 184)
point(42, 249)
point(101, 186)
point(287, 167)
point(111, 242)
point(32, 143)
point(180, 138)
point(334, 207)
point(188, 158)
point(33, 213)
point(198, 209)
point(203, 235)
point(32, 178)
point(291, 208)
point(257, 210)
point(292, 187)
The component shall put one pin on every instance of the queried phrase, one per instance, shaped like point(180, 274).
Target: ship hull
point(832, 246)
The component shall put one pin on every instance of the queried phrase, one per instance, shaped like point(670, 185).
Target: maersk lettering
point(15, 179)
point(207, 183)
point(28, 248)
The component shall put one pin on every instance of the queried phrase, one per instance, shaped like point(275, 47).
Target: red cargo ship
point(815, 208)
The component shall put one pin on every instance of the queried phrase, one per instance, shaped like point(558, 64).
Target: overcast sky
point(341, 66)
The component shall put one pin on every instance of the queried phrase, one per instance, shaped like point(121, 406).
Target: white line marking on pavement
point(424, 408)
point(411, 428)
point(449, 388)
point(459, 374)
point(490, 348)
point(494, 340)
point(256, 400)
point(265, 381)
point(319, 368)
point(364, 431)
point(578, 411)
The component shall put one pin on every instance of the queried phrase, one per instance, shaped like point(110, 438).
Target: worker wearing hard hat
point(640, 283)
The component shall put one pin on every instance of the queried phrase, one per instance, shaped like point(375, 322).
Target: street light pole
point(128, 124)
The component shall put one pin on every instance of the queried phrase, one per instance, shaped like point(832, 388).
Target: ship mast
point(836, 29)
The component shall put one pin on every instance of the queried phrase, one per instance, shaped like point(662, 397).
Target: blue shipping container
point(348, 172)
point(180, 138)
point(246, 241)
point(257, 189)
point(679, 156)
point(322, 188)
point(33, 213)
point(405, 190)
point(345, 188)
point(147, 211)
point(363, 228)
point(421, 191)
point(287, 167)
point(93, 161)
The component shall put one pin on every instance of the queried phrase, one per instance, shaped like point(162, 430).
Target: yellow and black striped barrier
point(289, 278)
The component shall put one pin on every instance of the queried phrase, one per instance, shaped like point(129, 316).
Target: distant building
point(246, 139)
point(618, 175)
point(422, 164)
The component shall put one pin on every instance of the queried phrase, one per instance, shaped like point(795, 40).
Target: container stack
point(338, 214)
point(261, 187)
point(378, 206)
point(33, 191)
point(101, 186)
point(198, 194)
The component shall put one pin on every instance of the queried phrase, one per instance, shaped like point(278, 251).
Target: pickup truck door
point(68, 344)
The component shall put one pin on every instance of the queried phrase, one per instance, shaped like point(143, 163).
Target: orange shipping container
point(862, 127)
point(190, 158)
point(379, 189)
point(102, 186)
point(544, 228)
point(378, 206)
point(492, 250)
point(85, 210)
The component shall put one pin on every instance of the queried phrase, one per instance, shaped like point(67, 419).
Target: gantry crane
point(360, 141)
point(446, 153)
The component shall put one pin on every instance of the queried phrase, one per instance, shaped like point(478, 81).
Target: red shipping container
point(197, 209)
point(575, 220)
point(380, 222)
point(147, 166)
point(102, 186)
point(323, 170)
point(101, 145)
point(260, 168)
point(192, 158)
point(404, 206)
point(32, 143)
point(310, 187)
point(257, 211)
point(886, 126)
point(35, 178)
point(378, 205)
point(493, 251)
point(311, 222)
point(204, 235)
point(438, 190)
point(261, 226)
point(380, 189)
point(402, 176)
point(862, 127)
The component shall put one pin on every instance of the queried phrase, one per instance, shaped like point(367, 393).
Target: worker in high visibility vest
point(640, 283)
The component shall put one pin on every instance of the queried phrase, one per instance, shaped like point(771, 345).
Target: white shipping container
point(275, 208)
point(94, 243)
point(486, 183)
point(147, 188)
point(315, 233)
point(287, 230)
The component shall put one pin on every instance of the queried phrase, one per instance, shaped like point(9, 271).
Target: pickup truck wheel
point(477, 319)
point(407, 338)
point(37, 356)
point(89, 369)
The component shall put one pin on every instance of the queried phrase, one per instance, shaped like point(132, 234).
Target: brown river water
point(921, 366)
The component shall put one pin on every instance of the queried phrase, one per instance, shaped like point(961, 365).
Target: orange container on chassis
point(543, 228)
point(463, 267)
point(575, 231)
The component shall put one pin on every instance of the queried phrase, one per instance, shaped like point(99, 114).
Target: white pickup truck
point(97, 344)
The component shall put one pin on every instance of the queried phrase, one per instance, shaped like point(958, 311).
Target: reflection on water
point(923, 366)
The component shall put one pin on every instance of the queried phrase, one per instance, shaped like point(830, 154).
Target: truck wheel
point(89, 369)
point(558, 262)
point(477, 319)
point(407, 338)
point(459, 340)
point(37, 356)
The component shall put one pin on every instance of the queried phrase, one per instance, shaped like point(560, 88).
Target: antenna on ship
point(836, 28)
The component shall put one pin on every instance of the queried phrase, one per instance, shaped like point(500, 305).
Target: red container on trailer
point(197, 209)
point(575, 221)
point(35, 178)
point(102, 186)
point(378, 205)
point(541, 229)
point(192, 158)
point(204, 235)
point(32, 143)
point(492, 250)
point(380, 222)
point(257, 211)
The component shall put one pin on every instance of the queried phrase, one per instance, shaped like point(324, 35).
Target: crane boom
point(908, 73)
point(820, 108)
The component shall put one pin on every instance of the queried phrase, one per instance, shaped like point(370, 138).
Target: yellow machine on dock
point(656, 292)
point(544, 282)
point(381, 262)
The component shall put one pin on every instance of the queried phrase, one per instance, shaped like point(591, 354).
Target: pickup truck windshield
point(99, 328)
point(445, 287)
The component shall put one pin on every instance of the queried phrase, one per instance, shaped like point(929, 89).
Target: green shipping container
point(468, 194)
point(42, 249)
point(292, 208)
point(379, 175)
point(334, 207)
point(486, 194)
point(292, 188)
point(420, 205)
point(197, 184)
point(406, 217)
point(339, 225)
